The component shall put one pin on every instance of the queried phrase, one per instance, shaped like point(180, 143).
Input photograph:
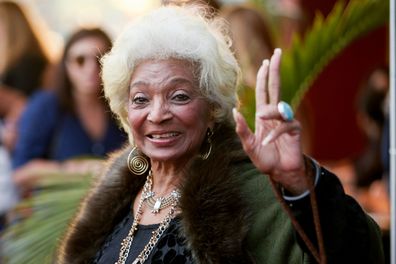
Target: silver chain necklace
point(156, 204)
point(156, 235)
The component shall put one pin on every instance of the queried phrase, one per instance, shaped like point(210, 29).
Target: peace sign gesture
point(275, 146)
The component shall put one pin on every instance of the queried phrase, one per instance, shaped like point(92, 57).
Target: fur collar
point(214, 217)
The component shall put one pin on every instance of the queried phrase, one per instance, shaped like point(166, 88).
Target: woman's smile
point(163, 139)
point(163, 135)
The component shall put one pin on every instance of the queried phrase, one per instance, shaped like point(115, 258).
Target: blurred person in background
point(251, 43)
point(291, 17)
point(72, 121)
point(24, 64)
point(371, 172)
point(252, 40)
point(371, 120)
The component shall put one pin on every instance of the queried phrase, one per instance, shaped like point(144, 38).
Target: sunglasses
point(81, 60)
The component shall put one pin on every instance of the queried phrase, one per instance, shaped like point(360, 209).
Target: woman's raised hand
point(275, 146)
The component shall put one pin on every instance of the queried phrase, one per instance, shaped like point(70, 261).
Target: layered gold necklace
point(155, 204)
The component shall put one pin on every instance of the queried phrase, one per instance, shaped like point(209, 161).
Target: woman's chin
point(89, 89)
point(177, 158)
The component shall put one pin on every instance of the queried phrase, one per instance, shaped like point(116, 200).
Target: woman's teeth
point(165, 135)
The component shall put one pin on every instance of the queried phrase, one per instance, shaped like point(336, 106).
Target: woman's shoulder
point(44, 95)
point(43, 107)
point(43, 99)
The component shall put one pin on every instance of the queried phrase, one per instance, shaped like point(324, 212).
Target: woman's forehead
point(90, 45)
point(172, 71)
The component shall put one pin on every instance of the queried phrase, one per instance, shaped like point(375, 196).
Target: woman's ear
point(212, 117)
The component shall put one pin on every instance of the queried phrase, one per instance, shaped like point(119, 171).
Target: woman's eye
point(181, 97)
point(139, 100)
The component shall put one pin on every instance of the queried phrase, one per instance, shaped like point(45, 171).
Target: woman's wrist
point(312, 170)
point(297, 186)
point(294, 181)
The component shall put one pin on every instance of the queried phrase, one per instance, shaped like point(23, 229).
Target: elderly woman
point(190, 189)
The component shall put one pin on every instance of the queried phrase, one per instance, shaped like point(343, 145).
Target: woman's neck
point(166, 178)
point(83, 100)
point(92, 114)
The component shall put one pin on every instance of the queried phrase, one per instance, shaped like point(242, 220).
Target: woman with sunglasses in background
point(72, 121)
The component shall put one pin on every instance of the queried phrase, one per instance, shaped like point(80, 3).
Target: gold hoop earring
point(137, 163)
point(209, 135)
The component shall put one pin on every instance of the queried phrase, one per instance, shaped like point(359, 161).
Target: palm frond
point(34, 239)
point(327, 38)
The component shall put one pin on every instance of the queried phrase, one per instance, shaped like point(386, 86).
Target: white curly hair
point(185, 33)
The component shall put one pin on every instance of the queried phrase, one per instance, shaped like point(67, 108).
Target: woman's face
point(82, 65)
point(167, 114)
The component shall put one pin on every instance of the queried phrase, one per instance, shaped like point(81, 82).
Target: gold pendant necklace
point(127, 241)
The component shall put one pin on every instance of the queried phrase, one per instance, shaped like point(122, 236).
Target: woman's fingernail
point(234, 113)
point(267, 139)
point(266, 62)
point(278, 51)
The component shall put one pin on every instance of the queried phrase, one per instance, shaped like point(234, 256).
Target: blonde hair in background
point(20, 35)
point(174, 32)
point(252, 39)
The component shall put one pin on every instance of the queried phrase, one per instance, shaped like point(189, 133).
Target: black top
point(169, 249)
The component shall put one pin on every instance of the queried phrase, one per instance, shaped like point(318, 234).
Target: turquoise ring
point(285, 111)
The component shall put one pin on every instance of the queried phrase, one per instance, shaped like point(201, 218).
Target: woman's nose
point(159, 112)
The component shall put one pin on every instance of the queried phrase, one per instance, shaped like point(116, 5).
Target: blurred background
point(334, 72)
point(338, 132)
